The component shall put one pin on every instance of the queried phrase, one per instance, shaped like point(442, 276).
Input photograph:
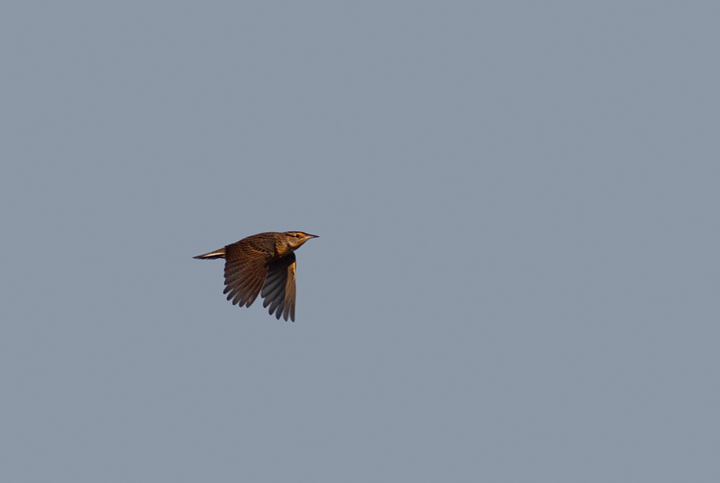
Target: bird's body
point(262, 264)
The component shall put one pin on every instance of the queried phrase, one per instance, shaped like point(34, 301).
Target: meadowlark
point(262, 264)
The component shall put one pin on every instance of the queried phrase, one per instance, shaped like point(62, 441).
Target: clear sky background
point(518, 268)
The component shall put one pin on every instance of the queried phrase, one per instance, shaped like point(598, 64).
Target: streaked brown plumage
point(262, 264)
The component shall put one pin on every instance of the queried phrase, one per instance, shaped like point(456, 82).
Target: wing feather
point(245, 271)
point(278, 291)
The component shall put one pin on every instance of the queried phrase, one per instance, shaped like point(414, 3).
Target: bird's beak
point(311, 236)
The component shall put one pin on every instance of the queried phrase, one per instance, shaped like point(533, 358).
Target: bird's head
point(296, 238)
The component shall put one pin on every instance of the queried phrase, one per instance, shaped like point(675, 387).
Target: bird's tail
point(212, 255)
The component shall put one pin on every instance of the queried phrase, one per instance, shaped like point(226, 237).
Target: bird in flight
point(262, 264)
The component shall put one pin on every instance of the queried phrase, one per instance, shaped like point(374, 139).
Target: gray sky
point(517, 272)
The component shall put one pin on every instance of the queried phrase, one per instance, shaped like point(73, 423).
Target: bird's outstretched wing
point(245, 270)
point(279, 289)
